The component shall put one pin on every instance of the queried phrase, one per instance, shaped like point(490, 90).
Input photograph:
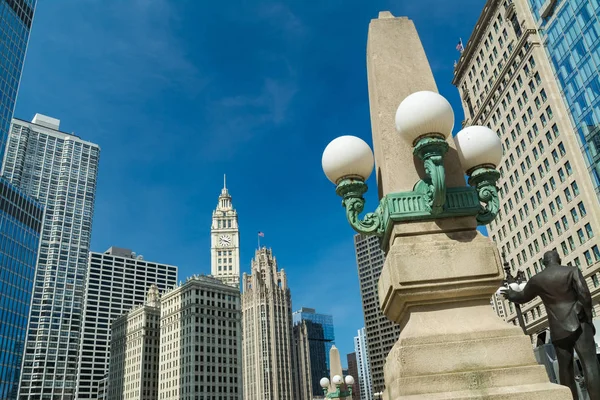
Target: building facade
point(324, 320)
point(20, 215)
point(20, 230)
point(16, 18)
point(59, 170)
point(310, 363)
point(267, 330)
point(570, 32)
point(117, 280)
point(381, 333)
point(225, 241)
point(365, 381)
point(353, 372)
point(506, 81)
point(313, 337)
point(134, 353)
point(201, 342)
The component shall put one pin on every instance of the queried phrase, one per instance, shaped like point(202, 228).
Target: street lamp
point(337, 390)
point(516, 283)
point(424, 119)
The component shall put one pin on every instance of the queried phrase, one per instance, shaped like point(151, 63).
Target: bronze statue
point(569, 305)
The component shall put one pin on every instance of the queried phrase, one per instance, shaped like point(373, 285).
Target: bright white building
point(59, 170)
point(200, 341)
point(225, 241)
point(364, 368)
point(134, 351)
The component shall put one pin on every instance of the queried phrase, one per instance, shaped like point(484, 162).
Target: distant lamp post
point(425, 119)
point(338, 387)
point(516, 283)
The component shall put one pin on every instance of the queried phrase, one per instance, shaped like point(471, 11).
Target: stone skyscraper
point(267, 331)
point(509, 78)
point(117, 280)
point(381, 333)
point(20, 215)
point(200, 343)
point(225, 241)
point(135, 352)
point(59, 170)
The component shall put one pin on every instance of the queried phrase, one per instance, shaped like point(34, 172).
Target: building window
point(589, 231)
point(588, 257)
point(581, 209)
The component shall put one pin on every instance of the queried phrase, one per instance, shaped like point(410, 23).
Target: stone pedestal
point(438, 276)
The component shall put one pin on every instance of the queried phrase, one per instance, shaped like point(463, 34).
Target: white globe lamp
point(337, 380)
point(478, 146)
point(324, 382)
point(347, 157)
point(422, 114)
point(349, 379)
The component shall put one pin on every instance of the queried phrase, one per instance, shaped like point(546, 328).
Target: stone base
point(463, 362)
point(538, 391)
point(452, 344)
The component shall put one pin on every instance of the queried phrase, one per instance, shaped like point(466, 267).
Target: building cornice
point(475, 39)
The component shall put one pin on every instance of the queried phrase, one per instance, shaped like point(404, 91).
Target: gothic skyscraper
point(225, 241)
point(266, 330)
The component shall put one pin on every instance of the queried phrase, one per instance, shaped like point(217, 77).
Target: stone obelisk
point(439, 275)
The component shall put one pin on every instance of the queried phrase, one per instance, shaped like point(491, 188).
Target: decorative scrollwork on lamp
point(426, 120)
point(352, 191)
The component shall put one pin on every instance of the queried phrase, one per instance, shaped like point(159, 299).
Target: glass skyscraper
point(20, 227)
point(324, 320)
point(571, 34)
point(20, 216)
point(59, 170)
point(16, 17)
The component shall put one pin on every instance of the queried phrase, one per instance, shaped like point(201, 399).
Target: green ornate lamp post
point(425, 119)
point(339, 387)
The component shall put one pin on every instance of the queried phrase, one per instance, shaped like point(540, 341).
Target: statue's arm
point(583, 294)
point(529, 293)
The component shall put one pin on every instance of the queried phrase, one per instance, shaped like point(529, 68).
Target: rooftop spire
point(224, 191)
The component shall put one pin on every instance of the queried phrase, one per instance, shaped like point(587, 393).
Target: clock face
point(225, 240)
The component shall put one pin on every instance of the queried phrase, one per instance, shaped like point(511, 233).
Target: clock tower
point(225, 241)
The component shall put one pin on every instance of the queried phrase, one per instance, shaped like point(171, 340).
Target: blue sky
point(177, 93)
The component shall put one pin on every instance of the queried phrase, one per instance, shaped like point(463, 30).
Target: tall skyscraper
point(20, 230)
point(117, 280)
point(135, 352)
point(381, 333)
point(365, 382)
point(267, 330)
point(59, 170)
point(506, 81)
point(353, 372)
point(569, 30)
point(200, 342)
point(324, 320)
point(313, 338)
point(15, 19)
point(225, 241)
point(20, 215)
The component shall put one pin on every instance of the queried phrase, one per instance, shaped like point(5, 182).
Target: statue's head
point(551, 258)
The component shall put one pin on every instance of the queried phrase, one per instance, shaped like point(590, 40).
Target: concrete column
point(438, 276)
